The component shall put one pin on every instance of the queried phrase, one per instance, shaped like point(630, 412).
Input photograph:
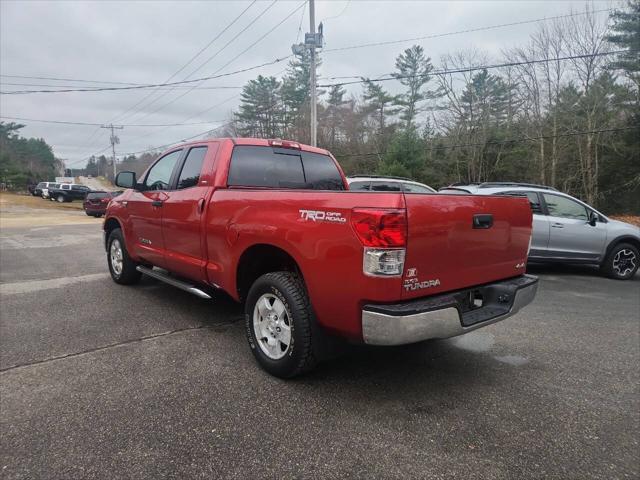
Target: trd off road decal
point(322, 216)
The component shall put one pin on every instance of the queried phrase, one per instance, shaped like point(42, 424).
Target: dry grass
point(13, 199)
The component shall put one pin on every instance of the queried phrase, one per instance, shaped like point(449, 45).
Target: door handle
point(156, 203)
point(200, 205)
point(557, 225)
point(483, 221)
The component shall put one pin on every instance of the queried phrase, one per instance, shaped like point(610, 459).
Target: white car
point(387, 184)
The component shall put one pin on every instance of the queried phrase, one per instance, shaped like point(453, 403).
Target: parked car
point(377, 183)
point(68, 192)
point(270, 223)
point(95, 203)
point(567, 230)
point(41, 189)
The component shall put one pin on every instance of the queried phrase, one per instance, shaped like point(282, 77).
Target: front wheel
point(122, 268)
point(279, 321)
point(622, 262)
point(60, 199)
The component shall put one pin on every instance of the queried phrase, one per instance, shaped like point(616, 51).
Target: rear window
point(97, 195)
point(54, 185)
point(41, 185)
point(254, 166)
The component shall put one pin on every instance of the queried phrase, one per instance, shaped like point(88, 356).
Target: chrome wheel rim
point(115, 254)
point(624, 262)
point(60, 199)
point(272, 326)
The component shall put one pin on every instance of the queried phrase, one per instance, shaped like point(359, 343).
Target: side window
point(534, 199)
point(565, 207)
point(359, 186)
point(253, 166)
point(190, 174)
point(413, 188)
point(66, 186)
point(159, 176)
point(386, 187)
point(320, 172)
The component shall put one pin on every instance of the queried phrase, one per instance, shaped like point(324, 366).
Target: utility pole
point(312, 41)
point(114, 139)
point(314, 100)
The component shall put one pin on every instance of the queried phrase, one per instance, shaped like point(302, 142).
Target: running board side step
point(163, 277)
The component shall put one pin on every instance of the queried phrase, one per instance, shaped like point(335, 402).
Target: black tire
point(299, 357)
point(128, 274)
point(89, 214)
point(61, 199)
point(622, 262)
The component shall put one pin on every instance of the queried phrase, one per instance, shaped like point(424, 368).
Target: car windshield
point(98, 195)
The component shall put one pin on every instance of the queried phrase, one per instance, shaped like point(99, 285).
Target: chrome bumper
point(444, 315)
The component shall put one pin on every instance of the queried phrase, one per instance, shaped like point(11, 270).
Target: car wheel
point(122, 268)
point(622, 262)
point(279, 321)
point(60, 199)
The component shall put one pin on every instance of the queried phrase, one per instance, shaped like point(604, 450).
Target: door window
point(565, 207)
point(159, 177)
point(534, 200)
point(190, 174)
point(386, 187)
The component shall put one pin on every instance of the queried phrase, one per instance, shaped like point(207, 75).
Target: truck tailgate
point(458, 241)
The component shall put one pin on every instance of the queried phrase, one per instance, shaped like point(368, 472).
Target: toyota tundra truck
point(273, 224)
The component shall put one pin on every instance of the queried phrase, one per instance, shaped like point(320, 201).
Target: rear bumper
point(447, 315)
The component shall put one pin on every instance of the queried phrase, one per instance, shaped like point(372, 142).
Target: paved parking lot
point(103, 381)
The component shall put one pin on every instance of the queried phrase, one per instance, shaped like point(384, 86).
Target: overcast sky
point(149, 41)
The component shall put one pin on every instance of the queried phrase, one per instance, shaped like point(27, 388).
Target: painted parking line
point(37, 285)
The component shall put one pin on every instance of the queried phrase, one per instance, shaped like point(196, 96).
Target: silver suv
point(567, 230)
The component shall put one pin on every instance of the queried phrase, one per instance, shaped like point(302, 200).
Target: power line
point(234, 58)
point(69, 80)
point(503, 142)
point(138, 87)
point(469, 30)
point(213, 87)
point(61, 122)
point(472, 69)
point(260, 15)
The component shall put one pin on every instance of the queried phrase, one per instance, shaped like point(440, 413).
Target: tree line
point(570, 121)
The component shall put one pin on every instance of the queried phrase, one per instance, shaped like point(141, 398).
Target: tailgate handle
point(483, 220)
point(156, 203)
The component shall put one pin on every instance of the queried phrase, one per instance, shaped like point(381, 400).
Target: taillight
point(383, 232)
point(105, 200)
point(379, 227)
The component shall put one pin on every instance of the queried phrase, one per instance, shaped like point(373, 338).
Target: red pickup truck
point(272, 224)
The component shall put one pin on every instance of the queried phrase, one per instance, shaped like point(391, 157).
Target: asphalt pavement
point(99, 380)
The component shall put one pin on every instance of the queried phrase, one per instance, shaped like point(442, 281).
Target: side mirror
point(126, 179)
point(593, 218)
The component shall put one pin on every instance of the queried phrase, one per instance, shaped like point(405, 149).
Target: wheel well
point(632, 240)
point(109, 225)
point(258, 260)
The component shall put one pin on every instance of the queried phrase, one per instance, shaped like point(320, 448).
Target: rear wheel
point(622, 262)
point(122, 268)
point(279, 324)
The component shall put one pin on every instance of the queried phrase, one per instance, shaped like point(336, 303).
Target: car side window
point(159, 176)
point(565, 207)
point(360, 186)
point(413, 188)
point(190, 174)
point(386, 187)
point(534, 200)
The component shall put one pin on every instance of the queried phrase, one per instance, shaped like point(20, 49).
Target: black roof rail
point(513, 184)
point(381, 176)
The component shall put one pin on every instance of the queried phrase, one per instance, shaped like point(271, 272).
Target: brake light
point(105, 200)
point(380, 227)
point(284, 144)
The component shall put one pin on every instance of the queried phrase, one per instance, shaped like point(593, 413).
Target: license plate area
point(484, 303)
